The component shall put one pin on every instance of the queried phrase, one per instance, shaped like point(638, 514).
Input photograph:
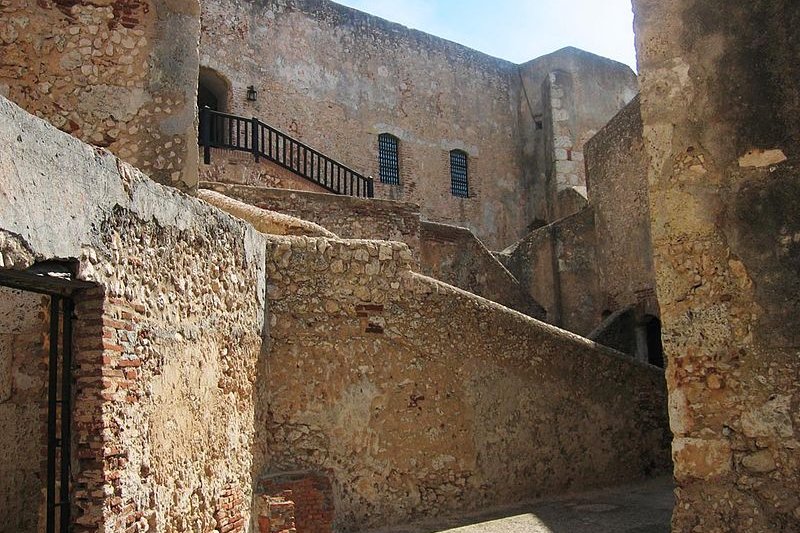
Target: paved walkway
point(638, 508)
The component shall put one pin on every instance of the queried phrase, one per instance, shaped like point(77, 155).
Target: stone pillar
point(720, 106)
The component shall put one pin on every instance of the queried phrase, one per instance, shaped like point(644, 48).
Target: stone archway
point(213, 90)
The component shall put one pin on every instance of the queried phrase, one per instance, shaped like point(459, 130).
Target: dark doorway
point(655, 350)
point(36, 312)
point(212, 90)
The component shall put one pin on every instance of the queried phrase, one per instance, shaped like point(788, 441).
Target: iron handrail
point(232, 132)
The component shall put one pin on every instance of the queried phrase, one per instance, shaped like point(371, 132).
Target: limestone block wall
point(119, 75)
point(720, 102)
point(421, 399)
point(168, 345)
point(556, 263)
point(616, 166)
point(24, 345)
point(336, 78)
point(566, 98)
point(455, 256)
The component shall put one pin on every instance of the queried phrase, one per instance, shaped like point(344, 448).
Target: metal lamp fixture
point(252, 94)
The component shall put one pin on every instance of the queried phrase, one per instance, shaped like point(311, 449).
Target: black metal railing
point(231, 132)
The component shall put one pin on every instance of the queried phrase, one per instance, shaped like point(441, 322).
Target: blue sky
point(518, 30)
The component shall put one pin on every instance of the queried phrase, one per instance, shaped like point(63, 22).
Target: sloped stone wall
point(421, 399)
point(455, 256)
point(556, 263)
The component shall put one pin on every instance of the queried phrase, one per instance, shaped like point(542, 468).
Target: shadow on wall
point(632, 333)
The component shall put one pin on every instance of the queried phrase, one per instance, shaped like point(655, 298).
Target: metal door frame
point(55, 280)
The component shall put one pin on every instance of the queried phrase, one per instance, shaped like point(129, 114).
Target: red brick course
point(312, 498)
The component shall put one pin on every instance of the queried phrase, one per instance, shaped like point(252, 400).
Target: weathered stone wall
point(455, 256)
point(347, 217)
point(366, 76)
point(567, 96)
point(121, 75)
point(421, 399)
point(616, 166)
point(556, 263)
point(168, 345)
point(24, 344)
point(336, 78)
point(448, 253)
point(720, 102)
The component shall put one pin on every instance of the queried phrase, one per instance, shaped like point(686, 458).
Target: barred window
point(459, 179)
point(388, 159)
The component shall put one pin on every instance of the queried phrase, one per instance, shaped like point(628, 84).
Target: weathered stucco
point(720, 106)
point(114, 74)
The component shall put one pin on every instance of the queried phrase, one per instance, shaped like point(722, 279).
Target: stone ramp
point(644, 507)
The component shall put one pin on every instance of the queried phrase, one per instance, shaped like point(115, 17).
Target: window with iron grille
point(388, 159)
point(459, 179)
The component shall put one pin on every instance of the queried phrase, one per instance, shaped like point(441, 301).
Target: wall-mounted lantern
point(252, 94)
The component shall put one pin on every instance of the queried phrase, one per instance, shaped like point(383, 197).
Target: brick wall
point(277, 514)
point(311, 495)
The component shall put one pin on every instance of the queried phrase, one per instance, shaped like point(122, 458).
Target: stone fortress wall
point(336, 78)
point(211, 358)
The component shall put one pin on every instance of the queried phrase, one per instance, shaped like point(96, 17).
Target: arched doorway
point(648, 341)
point(212, 90)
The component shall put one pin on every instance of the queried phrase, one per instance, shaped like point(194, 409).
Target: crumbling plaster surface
point(720, 106)
point(421, 399)
point(114, 74)
point(170, 341)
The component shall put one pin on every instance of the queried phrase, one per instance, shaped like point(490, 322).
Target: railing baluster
point(222, 130)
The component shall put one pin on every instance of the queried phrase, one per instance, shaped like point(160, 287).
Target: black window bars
point(388, 159)
point(459, 175)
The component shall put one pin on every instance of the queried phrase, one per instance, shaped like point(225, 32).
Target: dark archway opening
point(212, 90)
point(655, 350)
